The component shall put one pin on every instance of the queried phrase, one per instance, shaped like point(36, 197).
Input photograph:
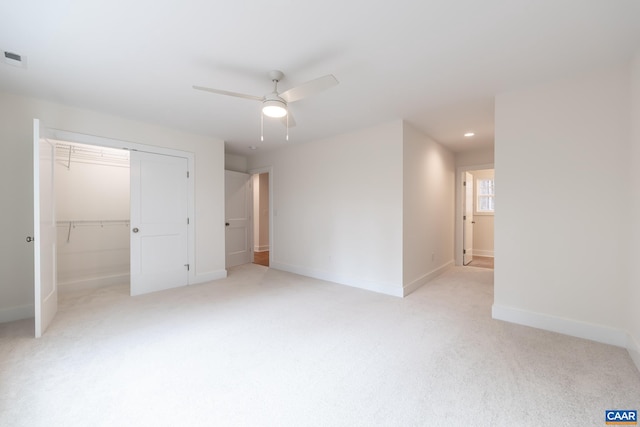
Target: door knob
point(135, 230)
point(226, 224)
point(30, 239)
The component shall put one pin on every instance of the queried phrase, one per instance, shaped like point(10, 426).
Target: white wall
point(255, 183)
point(236, 163)
point(428, 208)
point(96, 253)
point(337, 207)
point(483, 156)
point(263, 212)
point(633, 299)
point(562, 225)
point(16, 183)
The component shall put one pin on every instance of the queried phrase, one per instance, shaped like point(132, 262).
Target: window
point(485, 196)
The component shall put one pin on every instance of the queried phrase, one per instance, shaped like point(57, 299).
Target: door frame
point(68, 136)
point(460, 194)
point(272, 239)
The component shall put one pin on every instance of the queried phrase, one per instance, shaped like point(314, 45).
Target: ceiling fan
point(275, 104)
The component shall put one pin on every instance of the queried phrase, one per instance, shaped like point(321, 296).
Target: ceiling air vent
point(14, 59)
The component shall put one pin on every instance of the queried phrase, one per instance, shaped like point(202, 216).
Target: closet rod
point(94, 221)
point(101, 222)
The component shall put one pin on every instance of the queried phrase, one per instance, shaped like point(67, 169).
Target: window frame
point(478, 196)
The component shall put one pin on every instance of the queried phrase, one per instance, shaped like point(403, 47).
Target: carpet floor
point(269, 348)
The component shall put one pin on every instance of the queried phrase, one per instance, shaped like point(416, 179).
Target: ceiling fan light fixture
point(274, 108)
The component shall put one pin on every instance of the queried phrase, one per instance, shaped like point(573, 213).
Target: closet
point(92, 186)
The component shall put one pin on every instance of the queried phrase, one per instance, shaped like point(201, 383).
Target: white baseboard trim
point(94, 282)
point(20, 312)
point(574, 328)
point(208, 277)
point(633, 347)
point(422, 280)
point(263, 248)
point(483, 252)
point(367, 284)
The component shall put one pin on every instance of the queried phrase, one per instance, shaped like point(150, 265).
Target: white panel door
point(238, 207)
point(468, 219)
point(44, 231)
point(159, 222)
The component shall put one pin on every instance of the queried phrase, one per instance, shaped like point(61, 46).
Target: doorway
point(91, 192)
point(248, 224)
point(475, 209)
point(479, 209)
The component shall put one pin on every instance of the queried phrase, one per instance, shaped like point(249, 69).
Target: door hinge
point(464, 251)
point(187, 174)
point(187, 221)
point(187, 265)
point(464, 217)
point(464, 184)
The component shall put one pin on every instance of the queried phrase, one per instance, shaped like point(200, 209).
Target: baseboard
point(483, 252)
point(574, 328)
point(633, 347)
point(208, 277)
point(263, 248)
point(94, 282)
point(422, 280)
point(11, 314)
point(367, 284)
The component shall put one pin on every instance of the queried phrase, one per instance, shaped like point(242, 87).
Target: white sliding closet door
point(159, 222)
point(44, 231)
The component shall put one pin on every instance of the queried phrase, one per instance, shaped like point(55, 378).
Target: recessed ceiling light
point(468, 134)
point(253, 147)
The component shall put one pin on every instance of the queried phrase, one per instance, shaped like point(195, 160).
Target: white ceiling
point(436, 64)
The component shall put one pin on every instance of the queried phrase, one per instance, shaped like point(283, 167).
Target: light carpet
point(269, 348)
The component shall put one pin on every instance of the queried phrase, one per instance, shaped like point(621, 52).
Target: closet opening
point(92, 205)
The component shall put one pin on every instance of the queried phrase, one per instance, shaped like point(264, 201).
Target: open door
point(159, 222)
point(467, 252)
point(44, 231)
point(238, 207)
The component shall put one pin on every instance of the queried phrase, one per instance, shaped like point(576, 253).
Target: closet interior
point(92, 185)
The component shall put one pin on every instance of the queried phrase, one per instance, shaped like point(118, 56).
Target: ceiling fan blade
point(309, 88)
point(226, 92)
point(292, 122)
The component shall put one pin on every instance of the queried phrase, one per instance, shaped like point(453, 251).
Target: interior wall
point(263, 212)
point(260, 212)
point(255, 183)
point(428, 208)
point(482, 156)
point(16, 186)
point(633, 299)
point(92, 253)
point(483, 229)
point(236, 163)
point(337, 206)
point(562, 227)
